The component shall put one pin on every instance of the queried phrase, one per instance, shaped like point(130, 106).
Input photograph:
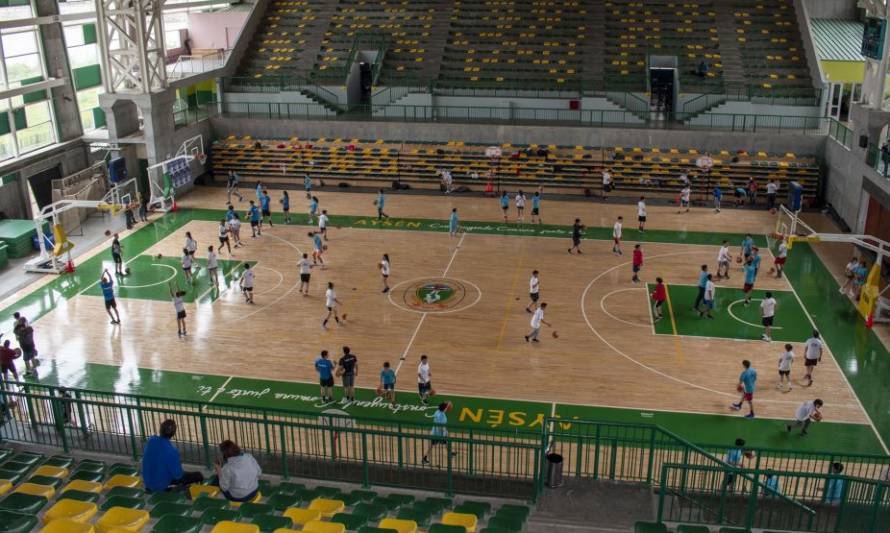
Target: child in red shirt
point(637, 262)
point(7, 360)
point(659, 295)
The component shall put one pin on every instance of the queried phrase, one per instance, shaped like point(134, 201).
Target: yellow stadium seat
point(121, 480)
point(227, 526)
point(83, 486)
point(465, 520)
point(123, 519)
point(302, 516)
point(5, 486)
point(51, 471)
point(67, 509)
point(256, 499)
point(317, 526)
point(195, 491)
point(68, 526)
point(36, 490)
point(326, 507)
point(402, 526)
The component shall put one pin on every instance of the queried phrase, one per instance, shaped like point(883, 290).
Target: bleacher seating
point(556, 44)
point(769, 39)
point(107, 505)
point(566, 168)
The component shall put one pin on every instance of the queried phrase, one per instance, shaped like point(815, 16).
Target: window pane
point(19, 43)
point(6, 150)
point(82, 56)
point(15, 12)
point(171, 39)
point(38, 113)
point(23, 67)
point(76, 6)
point(73, 34)
point(35, 137)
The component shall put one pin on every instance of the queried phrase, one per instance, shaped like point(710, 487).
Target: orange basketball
point(555, 335)
point(379, 391)
point(739, 388)
point(738, 259)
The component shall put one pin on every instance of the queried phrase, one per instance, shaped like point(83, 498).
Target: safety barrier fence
point(331, 444)
point(840, 133)
point(808, 125)
point(772, 499)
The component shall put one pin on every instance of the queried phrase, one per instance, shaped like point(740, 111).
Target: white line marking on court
point(457, 249)
point(833, 360)
point(122, 286)
point(455, 310)
point(410, 343)
point(729, 310)
point(629, 323)
point(221, 389)
point(634, 361)
point(272, 288)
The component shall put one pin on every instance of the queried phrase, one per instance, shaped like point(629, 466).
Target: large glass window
point(83, 57)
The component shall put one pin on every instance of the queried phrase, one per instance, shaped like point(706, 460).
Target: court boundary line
point(831, 352)
point(647, 367)
point(729, 310)
point(613, 317)
point(221, 389)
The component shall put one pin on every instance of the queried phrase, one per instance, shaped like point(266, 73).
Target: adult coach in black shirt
point(577, 231)
point(348, 370)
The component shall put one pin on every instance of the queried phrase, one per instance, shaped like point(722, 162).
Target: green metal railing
point(275, 84)
point(750, 123)
point(841, 133)
point(186, 116)
point(772, 499)
point(334, 445)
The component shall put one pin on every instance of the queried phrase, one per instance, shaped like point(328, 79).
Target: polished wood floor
point(606, 353)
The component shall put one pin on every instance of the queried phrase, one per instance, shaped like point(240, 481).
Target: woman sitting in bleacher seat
point(237, 472)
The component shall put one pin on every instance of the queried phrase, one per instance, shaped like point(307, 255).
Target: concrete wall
point(844, 174)
point(217, 29)
point(831, 9)
point(495, 134)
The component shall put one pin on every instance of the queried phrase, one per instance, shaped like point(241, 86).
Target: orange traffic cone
point(173, 206)
point(69, 267)
point(870, 321)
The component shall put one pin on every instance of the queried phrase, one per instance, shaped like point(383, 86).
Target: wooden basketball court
point(608, 359)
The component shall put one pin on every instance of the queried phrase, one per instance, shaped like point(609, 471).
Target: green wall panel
point(86, 77)
point(21, 120)
point(99, 117)
point(89, 34)
point(36, 96)
point(4, 123)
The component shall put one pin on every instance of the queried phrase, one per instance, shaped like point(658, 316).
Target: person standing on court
point(806, 414)
point(747, 384)
point(812, 355)
point(702, 283)
point(534, 292)
point(577, 231)
point(348, 369)
point(424, 380)
point(117, 256)
point(325, 368)
point(537, 320)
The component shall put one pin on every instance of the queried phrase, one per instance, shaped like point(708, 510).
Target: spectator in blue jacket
point(161, 465)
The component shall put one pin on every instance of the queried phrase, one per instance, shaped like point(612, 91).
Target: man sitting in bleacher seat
point(237, 472)
point(702, 69)
point(161, 465)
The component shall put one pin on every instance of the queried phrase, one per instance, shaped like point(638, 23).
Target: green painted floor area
point(863, 358)
point(732, 319)
point(149, 276)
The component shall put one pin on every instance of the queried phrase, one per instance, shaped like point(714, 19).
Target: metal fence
point(841, 133)
point(772, 499)
point(335, 446)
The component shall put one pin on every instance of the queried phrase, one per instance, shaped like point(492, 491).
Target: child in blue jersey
point(317, 249)
point(439, 432)
point(325, 369)
point(379, 202)
point(453, 223)
point(313, 209)
point(307, 185)
point(505, 204)
point(834, 489)
point(285, 206)
point(733, 458)
point(266, 205)
point(747, 247)
point(253, 214)
point(756, 258)
point(388, 383)
point(750, 278)
point(718, 195)
point(747, 384)
point(536, 207)
point(107, 285)
point(230, 213)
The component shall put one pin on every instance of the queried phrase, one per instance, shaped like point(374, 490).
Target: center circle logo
point(435, 295)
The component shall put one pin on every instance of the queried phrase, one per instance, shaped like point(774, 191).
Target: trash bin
point(554, 470)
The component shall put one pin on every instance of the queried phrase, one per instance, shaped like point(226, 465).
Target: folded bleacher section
point(61, 494)
point(570, 169)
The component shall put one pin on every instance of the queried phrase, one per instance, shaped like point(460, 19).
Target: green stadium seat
point(170, 508)
point(62, 461)
point(331, 493)
point(12, 477)
point(17, 467)
point(441, 503)
point(249, 509)
point(23, 503)
point(122, 501)
point(12, 522)
point(283, 500)
point(202, 504)
point(403, 499)
point(89, 465)
point(420, 514)
point(123, 469)
point(650, 527)
point(270, 522)
point(266, 487)
point(129, 492)
point(82, 496)
point(372, 529)
point(177, 524)
point(28, 458)
point(53, 482)
point(287, 487)
point(386, 503)
point(373, 511)
point(212, 516)
point(480, 509)
point(514, 510)
point(509, 524)
point(445, 528)
point(351, 521)
point(686, 528)
point(362, 495)
point(87, 475)
point(733, 530)
point(166, 497)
